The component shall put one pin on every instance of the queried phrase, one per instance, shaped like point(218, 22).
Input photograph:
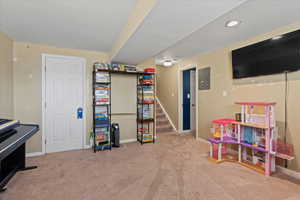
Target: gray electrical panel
point(204, 78)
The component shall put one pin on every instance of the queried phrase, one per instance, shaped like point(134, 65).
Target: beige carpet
point(175, 167)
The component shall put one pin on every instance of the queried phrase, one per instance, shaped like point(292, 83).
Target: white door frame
point(191, 107)
point(180, 80)
point(44, 56)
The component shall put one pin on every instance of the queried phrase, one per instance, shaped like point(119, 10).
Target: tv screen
point(273, 56)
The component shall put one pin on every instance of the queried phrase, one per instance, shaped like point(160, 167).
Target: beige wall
point(6, 77)
point(127, 123)
point(27, 72)
point(212, 104)
point(123, 104)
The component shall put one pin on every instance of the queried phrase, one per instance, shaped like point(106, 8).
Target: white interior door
point(64, 76)
point(193, 99)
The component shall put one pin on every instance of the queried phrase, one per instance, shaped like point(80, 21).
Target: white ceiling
point(82, 24)
point(169, 22)
point(176, 28)
point(257, 16)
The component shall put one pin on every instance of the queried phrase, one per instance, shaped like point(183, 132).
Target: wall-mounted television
point(273, 56)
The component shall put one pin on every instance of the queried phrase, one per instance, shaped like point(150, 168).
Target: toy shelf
point(253, 167)
point(226, 140)
point(223, 121)
point(146, 108)
point(256, 103)
point(251, 125)
point(251, 146)
point(234, 141)
point(284, 156)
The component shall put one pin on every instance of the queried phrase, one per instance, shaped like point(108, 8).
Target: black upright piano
point(13, 137)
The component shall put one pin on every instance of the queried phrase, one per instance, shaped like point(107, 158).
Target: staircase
point(162, 123)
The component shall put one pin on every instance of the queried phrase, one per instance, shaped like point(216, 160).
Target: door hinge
point(45, 141)
point(45, 104)
point(45, 68)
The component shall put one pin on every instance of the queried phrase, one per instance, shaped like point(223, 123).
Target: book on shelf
point(102, 77)
point(146, 96)
point(101, 129)
point(147, 87)
point(101, 92)
point(146, 101)
point(102, 100)
point(101, 87)
point(106, 125)
point(146, 136)
point(146, 112)
point(146, 81)
point(102, 103)
point(147, 77)
point(102, 118)
point(148, 92)
point(100, 122)
point(102, 136)
point(101, 115)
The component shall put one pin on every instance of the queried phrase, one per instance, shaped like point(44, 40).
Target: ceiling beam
point(139, 13)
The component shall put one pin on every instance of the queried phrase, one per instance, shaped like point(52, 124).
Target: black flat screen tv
point(273, 56)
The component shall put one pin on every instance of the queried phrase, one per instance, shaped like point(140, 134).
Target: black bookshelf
point(146, 103)
point(101, 111)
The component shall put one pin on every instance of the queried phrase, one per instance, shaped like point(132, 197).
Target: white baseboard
point(33, 154)
point(168, 117)
point(288, 172)
point(128, 141)
point(185, 131)
point(121, 142)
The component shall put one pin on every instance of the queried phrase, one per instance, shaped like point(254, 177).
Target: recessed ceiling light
point(168, 63)
point(277, 37)
point(232, 23)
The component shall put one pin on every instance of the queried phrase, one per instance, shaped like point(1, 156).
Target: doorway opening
point(188, 99)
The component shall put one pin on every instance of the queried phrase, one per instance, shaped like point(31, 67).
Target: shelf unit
point(145, 126)
point(101, 110)
point(146, 108)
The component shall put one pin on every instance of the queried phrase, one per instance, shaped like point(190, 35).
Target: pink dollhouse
point(251, 142)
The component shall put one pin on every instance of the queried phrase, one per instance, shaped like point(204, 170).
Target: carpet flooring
point(176, 167)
